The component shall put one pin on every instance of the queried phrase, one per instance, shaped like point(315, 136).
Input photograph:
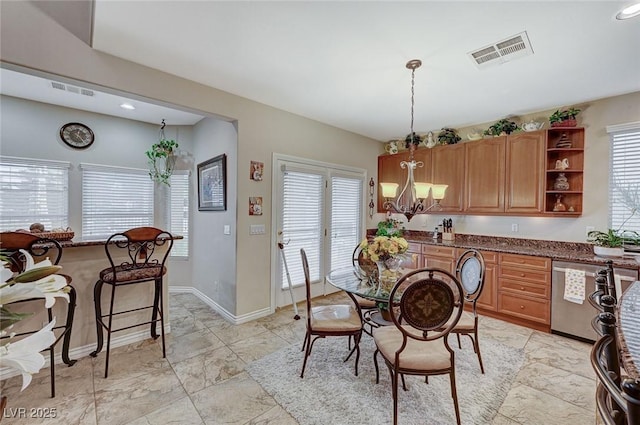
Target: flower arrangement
point(36, 281)
point(383, 248)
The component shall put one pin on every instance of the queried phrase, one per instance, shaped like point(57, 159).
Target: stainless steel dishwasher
point(571, 319)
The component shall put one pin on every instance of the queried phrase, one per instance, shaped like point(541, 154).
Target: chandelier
point(417, 192)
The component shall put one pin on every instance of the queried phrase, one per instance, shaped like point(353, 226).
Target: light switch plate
point(257, 229)
point(227, 229)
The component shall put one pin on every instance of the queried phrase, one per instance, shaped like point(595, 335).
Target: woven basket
point(59, 236)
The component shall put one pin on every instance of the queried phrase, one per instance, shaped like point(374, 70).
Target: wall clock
point(77, 135)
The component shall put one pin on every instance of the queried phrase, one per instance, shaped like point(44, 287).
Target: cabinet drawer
point(414, 247)
point(524, 288)
point(534, 309)
point(439, 251)
point(489, 257)
point(525, 275)
point(539, 263)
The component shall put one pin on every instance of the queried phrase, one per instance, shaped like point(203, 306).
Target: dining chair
point(330, 320)
point(430, 305)
point(470, 271)
point(40, 248)
point(135, 256)
point(366, 268)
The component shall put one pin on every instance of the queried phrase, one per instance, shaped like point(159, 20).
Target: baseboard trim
point(236, 320)
point(84, 351)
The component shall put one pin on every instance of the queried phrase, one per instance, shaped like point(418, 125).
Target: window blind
point(624, 179)
point(346, 213)
point(302, 225)
point(178, 213)
point(115, 199)
point(33, 191)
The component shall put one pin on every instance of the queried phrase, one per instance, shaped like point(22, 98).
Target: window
point(115, 199)
point(178, 214)
point(33, 191)
point(624, 178)
point(320, 209)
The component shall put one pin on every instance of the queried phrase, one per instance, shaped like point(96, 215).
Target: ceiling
point(343, 63)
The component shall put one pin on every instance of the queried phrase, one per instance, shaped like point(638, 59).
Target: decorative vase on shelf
point(561, 183)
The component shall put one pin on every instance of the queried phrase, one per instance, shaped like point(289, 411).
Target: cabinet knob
point(521, 307)
point(522, 288)
point(521, 274)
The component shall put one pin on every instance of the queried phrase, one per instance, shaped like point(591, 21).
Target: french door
point(318, 208)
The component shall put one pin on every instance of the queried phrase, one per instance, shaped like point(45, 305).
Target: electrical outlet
point(514, 227)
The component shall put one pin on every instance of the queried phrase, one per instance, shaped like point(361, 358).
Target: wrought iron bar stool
point(39, 248)
point(137, 255)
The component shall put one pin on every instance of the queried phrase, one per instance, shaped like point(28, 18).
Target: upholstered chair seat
point(127, 273)
point(420, 355)
point(338, 317)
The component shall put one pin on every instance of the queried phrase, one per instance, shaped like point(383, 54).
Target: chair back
point(364, 266)
point(12, 242)
point(431, 303)
point(307, 283)
point(142, 249)
point(470, 271)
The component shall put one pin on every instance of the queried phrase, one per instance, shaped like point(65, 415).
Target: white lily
point(25, 356)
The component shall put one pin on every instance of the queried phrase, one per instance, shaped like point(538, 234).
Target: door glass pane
point(346, 213)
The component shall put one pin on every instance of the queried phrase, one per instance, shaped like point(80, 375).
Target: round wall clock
point(77, 135)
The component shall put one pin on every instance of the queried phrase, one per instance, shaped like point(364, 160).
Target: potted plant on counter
point(612, 242)
point(503, 126)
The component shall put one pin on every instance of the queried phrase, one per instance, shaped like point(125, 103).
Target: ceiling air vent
point(514, 47)
point(71, 89)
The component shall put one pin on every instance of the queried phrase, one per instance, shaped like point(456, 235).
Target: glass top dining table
point(355, 282)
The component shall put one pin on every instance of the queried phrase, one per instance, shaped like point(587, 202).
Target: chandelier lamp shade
point(416, 192)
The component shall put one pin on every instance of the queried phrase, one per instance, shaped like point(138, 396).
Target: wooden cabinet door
point(488, 299)
point(447, 167)
point(389, 171)
point(447, 264)
point(525, 153)
point(484, 176)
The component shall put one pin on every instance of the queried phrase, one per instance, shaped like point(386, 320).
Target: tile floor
point(202, 380)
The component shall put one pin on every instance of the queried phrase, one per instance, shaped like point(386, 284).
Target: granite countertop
point(629, 329)
point(563, 251)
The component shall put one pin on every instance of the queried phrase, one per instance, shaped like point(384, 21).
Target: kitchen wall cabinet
point(564, 154)
point(485, 175)
point(447, 167)
point(525, 161)
point(507, 175)
point(389, 171)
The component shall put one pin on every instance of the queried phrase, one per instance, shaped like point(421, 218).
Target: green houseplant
point(161, 160)
point(502, 126)
point(448, 136)
point(564, 118)
point(416, 139)
point(611, 243)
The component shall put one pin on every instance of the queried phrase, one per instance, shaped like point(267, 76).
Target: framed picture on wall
point(212, 184)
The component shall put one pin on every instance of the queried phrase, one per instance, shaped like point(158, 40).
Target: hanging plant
point(161, 159)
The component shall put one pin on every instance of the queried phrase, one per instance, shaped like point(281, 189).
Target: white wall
point(214, 253)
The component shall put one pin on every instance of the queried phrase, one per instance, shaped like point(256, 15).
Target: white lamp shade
point(422, 190)
point(437, 191)
point(389, 189)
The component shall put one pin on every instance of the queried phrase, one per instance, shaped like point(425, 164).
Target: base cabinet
point(488, 299)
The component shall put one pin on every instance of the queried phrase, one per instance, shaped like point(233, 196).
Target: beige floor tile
point(274, 416)
point(209, 368)
point(230, 333)
point(190, 345)
point(532, 407)
point(183, 325)
point(570, 359)
point(179, 412)
point(258, 346)
point(503, 420)
point(235, 401)
point(141, 358)
point(126, 399)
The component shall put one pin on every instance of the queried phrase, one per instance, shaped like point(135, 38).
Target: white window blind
point(624, 179)
point(33, 191)
point(346, 213)
point(178, 213)
point(115, 199)
point(302, 225)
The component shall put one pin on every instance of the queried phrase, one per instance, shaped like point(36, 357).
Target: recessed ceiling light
point(127, 106)
point(629, 12)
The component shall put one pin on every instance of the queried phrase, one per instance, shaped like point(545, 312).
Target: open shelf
point(564, 163)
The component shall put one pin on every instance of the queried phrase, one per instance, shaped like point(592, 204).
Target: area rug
point(330, 393)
